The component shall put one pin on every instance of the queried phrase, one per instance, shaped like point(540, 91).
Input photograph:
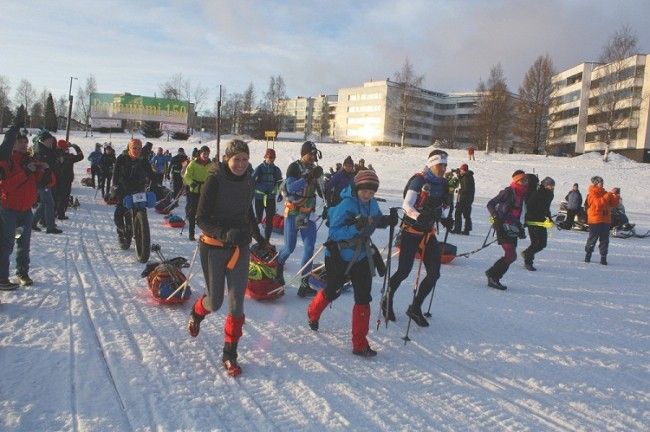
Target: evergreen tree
point(21, 116)
point(151, 129)
point(50, 114)
point(7, 116)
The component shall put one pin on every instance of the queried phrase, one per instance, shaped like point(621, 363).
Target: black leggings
point(270, 212)
point(359, 275)
point(409, 244)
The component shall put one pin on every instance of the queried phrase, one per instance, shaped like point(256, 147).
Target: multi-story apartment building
point(370, 114)
point(305, 114)
point(593, 102)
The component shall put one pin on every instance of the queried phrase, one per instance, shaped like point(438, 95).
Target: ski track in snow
point(564, 349)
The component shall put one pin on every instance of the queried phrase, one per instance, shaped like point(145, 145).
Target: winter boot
point(360, 324)
point(387, 308)
point(7, 285)
point(316, 308)
point(53, 231)
point(588, 257)
point(415, 313)
point(232, 332)
point(494, 282)
point(24, 279)
point(190, 232)
point(305, 290)
point(198, 313)
point(279, 274)
point(36, 228)
point(603, 259)
point(229, 359)
point(529, 267)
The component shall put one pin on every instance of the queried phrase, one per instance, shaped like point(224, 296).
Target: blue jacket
point(159, 162)
point(267, 178)
point(339, 181)
point(342, 218)
point(95, 157)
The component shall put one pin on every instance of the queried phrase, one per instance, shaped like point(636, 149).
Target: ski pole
point(384, 287)
point(442, 252)
point(416, 287)
point(299, 273)
point(189, 276)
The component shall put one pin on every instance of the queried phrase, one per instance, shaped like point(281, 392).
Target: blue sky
point(317, 46)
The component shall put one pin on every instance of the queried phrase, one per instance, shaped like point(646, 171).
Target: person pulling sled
point(225, 215)
point(350, 253)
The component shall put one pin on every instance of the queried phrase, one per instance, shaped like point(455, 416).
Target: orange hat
point(62, 144)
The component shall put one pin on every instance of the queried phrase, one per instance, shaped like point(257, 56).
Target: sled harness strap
point(211, 241)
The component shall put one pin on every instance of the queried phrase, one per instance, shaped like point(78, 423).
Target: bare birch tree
point(531, 120)
point(25, 95)
point(613, 94)
point(493, 110)
point(403, 103)
point(82, 109)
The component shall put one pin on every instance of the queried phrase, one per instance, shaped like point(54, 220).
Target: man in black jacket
point(176, 168)
point(538, 209)
point(130, 175)
point(65, 162)
point(465, 200)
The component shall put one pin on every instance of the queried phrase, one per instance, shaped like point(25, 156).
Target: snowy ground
point(564, 348)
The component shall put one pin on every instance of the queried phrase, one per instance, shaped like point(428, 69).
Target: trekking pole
point(299, 273)
point(185, 284)
point(384, 286)
point(442, 252)
point(416, 287)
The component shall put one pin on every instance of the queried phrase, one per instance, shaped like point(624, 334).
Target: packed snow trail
point(565, 348)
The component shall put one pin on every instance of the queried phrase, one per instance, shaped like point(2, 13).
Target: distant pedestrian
point(573, 207)
point(267, 177)
point(470, 153)
point(538, 210)
point(465, 200)
point(599, 204)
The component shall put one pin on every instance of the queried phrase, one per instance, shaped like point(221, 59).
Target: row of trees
point(41, 110)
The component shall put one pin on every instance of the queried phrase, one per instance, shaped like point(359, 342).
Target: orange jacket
point(599, 205)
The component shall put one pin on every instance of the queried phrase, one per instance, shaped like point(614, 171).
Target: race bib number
point(140, 197)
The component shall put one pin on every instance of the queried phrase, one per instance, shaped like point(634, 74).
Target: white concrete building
point(305, 115)
point(368, 114)
point(578, 125)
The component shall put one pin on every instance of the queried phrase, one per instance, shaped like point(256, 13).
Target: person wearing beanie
point(131, 173)
point(339, 181)
point(63, 187)
point(351, 255)
point(425, 195)
point(299, 192)
point(466, 190)
point(598, 205)
point(360, 166)
point(95, 158)
point(159, 163)
point(225, 216)
point(45, 151)
point(573, 206)
point(505, 210)
point(194, 177)
point(176, 165)
point(267, 177)
point(538, 211)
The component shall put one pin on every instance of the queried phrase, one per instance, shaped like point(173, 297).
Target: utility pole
point(219, 126)
point(67, 127)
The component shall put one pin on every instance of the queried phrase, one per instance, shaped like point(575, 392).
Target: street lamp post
point(219, 126)
point(67, 126)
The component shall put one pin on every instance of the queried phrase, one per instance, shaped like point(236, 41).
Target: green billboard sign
point(133, 107)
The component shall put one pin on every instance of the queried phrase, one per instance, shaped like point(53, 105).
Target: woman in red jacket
point(599, 204)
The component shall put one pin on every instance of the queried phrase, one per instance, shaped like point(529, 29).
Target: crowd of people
point(228, 200)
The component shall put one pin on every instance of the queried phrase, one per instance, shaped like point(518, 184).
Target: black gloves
point(315, 173)
point(522, 231)
point(195, 184)
point(280, 197)
point(324, 214)
point(360, 223)
point(447, 222)
point(237, 236)
point(388, 220)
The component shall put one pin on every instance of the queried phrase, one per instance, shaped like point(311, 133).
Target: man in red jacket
point(19, 177)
